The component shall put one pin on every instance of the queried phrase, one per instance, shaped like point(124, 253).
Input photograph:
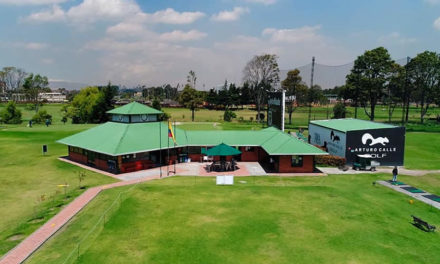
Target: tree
point(339, 110)
point(212, 97)
point(369, 76)
point(12, 78)
point(83, 107)
point(191, 79)
point(261, 73)
point(245, 94)
point(33, 86)
point(10, 114)
point(223, 97)
point(191, 99)
point(395, 89)
point(424, 75)
point(290, 85)
point(156, 104)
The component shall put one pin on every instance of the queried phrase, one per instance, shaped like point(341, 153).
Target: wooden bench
point(422, 224)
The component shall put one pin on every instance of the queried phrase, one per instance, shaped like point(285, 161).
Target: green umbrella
point(222, 150)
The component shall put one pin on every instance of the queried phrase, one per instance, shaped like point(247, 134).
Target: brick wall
point(77, 157)
point(101, 164)
point(249, 155)
point(285, 165)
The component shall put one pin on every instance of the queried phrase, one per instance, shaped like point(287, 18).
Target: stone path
point(23, 250)
point(418, 196)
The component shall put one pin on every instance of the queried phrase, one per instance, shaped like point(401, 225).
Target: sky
point(134, 42)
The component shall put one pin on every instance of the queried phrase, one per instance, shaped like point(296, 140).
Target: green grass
point(422, 151)
point(29, 195)
point(335, 219)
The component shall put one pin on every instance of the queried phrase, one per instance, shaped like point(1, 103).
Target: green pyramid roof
point(134, 108)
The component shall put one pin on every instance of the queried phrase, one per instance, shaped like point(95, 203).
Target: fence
point(84, 242)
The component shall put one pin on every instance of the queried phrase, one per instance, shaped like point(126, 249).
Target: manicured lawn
point(29, 194)
point(422, 151)
point(335, 219)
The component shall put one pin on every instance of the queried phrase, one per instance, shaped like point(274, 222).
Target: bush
point(228, 115)
point(261, 117)
point(10, 115)
point(156, 104)
point(330, 160)
point(41, 117)
point(339, 110)
point(164, 117)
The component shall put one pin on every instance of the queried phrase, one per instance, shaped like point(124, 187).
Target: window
point(194, 150)
point(249, 149)
point(297, 161)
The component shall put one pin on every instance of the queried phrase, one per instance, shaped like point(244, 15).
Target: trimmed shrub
point(339, 110)
point(330, 160)
point(41, 117)
point(229, 115)
point(10, 114)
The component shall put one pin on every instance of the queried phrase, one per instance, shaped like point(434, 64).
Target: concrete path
point(23, 250)
point(418, 196)
point(403, 171)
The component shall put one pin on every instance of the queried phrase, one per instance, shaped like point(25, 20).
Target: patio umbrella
point(222, 150)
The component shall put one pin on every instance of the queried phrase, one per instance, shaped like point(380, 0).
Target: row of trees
point(16, 80)
point(375, 78)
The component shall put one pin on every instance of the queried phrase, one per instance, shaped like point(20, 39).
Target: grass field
point(335, 219)
point(29, 195)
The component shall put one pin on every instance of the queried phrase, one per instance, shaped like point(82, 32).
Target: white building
point(53, 97)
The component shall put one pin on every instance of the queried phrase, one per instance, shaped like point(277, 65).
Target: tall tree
point(394, 90)
point(290, 85)
point(191, 79)
point(245, 94)
point(33, 86)
point(369, 76)
point(262, 73)
point(424, 75)
point(12, 78)
point(191, 99)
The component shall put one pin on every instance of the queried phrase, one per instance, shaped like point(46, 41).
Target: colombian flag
point(171, 132)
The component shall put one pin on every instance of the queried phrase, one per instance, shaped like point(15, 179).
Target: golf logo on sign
point(374, 141)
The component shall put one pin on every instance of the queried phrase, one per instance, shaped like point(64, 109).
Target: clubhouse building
point(136, 140)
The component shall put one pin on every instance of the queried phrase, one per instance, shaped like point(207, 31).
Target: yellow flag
point(171, 132)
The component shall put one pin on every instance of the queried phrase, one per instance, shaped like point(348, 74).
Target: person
point(395, 174)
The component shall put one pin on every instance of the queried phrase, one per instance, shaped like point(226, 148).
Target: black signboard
point(385, 146)
point(275, 109)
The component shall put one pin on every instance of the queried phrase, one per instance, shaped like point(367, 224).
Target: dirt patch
point(36, 220)
point(15, 237)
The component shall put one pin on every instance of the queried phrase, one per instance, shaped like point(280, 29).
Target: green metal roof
point(222, 150)
point(121, 138)
point(134, 108)
point(350, 124)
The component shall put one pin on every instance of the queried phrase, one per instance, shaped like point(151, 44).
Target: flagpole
point(160, 148)
point(168, 160)
point(175, 148)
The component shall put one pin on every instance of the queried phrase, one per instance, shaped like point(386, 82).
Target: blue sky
point(133, 42)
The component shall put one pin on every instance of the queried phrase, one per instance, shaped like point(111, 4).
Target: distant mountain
point(64, 84)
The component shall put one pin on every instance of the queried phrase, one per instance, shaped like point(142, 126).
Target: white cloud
point(127, 11)
point(31, 2)
point(230, 15)
point(437, 24)
point(170, 16)
point(264, 2)
point(395, 38)
point(178, 35)
point(92, 10)
point(26, 45)
point(51, 15)
point(293, 35)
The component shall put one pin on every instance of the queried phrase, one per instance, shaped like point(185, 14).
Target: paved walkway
point(418, 196)
point(23, 250)
point(403, 171)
